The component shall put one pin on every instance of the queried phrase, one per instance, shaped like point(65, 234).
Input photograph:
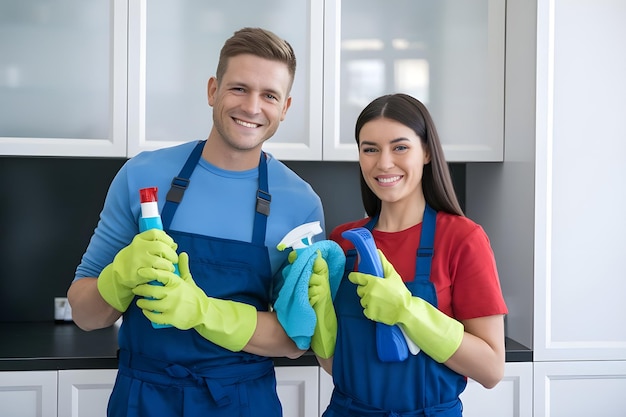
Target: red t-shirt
point(463, 267)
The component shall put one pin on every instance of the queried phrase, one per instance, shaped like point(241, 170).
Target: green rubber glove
point(130, 267)
point(184, 305)
point(325, 334)
point(389, 301)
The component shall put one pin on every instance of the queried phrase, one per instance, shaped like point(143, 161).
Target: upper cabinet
point(174, 49)
point(116, 77)
point(63, 77)
point(448, 54)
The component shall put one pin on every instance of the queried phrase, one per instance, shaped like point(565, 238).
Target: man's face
point(250, 101)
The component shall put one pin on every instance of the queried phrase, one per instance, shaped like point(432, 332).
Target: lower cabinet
point(580, 388)
point(85, 393)
point(28, 394)
point(298, 390)
point(513, 396)
point(326, 390)
point(304, 391)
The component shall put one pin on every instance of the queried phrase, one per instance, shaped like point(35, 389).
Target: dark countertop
point(37, 346)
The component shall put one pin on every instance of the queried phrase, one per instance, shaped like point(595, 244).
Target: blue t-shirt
point(217, 203)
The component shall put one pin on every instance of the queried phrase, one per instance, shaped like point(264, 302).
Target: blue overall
point(366, 386)
point(169, 372)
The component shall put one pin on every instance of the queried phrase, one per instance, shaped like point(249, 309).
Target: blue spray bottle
point(151, 219)
point(392, 344)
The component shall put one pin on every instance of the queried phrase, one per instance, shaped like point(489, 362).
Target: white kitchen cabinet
point(326, 389)
point(63, 77)
point(446, 53)
point(174, 49)
point(449, 55)
point(85, 393)
point(28, 394)
point(116, 77)
point(580, 388)
point(297, 388)
point(513, 396)
point(560, 256)
point(130, 75)
point(453, 59)
point(579, 252)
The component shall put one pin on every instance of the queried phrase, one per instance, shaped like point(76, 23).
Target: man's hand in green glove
point(181, 303)
point(325, 333)
point(389, 301)
point(152, 249)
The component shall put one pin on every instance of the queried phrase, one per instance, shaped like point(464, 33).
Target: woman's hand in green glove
point(389, 301)
point(383, 299)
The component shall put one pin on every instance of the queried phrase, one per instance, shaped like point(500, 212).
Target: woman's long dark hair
point(436, 181)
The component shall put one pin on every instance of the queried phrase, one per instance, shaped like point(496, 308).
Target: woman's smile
point(387, 180)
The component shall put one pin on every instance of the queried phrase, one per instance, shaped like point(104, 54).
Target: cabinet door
point(173, 51)
point(63, 78)
point(298, 390)
point(511, 397)
point(85, 393)
point(446, 53)
point(326, 389)
point(593, 388)
point(573, 264)
point(28, 394)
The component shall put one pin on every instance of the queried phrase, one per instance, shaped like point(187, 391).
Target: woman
point(446, 297)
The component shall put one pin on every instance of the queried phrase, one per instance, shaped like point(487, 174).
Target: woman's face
point(392, 160)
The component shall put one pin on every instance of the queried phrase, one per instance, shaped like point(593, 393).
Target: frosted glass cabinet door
point(63, 77)
point(174, 47)
point(447, 53)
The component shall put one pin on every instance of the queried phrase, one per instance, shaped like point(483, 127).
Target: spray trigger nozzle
point(300, 237)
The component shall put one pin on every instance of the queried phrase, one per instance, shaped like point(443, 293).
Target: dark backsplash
point(50, 207)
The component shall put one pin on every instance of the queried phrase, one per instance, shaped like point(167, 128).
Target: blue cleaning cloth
point(292, 306)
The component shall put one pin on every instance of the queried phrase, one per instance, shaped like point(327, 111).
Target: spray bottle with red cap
point(151, 219)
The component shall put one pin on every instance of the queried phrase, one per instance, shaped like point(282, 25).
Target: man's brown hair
point(258, 42)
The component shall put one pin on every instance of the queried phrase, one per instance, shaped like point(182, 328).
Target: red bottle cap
point(148, 194)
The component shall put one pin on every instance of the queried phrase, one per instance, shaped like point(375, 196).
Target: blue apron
point(169, 372)
point(366, 386)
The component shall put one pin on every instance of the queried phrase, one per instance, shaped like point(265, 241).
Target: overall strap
point(427, 241)
point(424, 254)
point(351, 255)
point(263, 200)
point(371, 223)
point(179, 185)
point(181, 182)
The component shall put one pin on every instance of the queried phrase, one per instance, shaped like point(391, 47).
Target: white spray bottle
point(300, 237)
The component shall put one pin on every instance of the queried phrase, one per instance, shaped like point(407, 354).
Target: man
point(226, 210)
